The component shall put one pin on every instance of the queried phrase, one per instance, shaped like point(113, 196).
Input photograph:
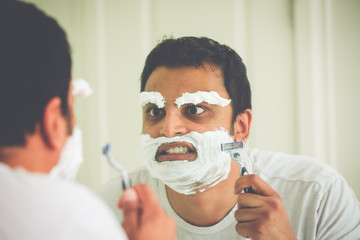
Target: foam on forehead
point(81, 88)
point(200, 96)
point(152, 97)
point(211, 97)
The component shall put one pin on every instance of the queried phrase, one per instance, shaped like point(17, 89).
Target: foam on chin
point(190, 177)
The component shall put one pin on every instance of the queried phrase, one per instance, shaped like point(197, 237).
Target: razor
point(126, 182)
point(235, 148)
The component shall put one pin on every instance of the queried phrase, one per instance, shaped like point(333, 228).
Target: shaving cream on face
point(189, 177)
point(152, 97)
point(81, 88)
point(200, 96)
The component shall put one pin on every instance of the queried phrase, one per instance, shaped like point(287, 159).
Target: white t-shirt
point(35, 206)
point(318, 201)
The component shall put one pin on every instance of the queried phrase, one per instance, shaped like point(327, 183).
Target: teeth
point(177, 150)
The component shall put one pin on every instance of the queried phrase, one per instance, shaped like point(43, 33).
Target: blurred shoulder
point(291, 167)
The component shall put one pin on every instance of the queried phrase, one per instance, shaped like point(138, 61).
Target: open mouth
point(176, 151)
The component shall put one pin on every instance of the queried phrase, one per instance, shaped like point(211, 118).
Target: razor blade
point(126, 182)
point(235, 148)
point(232, 145)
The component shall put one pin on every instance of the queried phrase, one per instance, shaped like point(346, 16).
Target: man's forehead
point(162, 77)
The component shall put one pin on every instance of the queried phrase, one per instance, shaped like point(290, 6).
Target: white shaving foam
point(81, 88)
point(200, 96)
point(190, 177)
point(152, 97)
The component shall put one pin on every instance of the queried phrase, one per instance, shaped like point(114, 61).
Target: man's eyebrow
point(151, 97)
point(211, 97)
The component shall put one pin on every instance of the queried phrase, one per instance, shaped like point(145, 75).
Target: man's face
point(172, 120)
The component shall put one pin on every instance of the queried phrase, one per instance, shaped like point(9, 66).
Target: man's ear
point(54, 124)
point(242, 126)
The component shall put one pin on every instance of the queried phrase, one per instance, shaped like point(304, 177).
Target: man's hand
point(144, 218)
point(261, 215)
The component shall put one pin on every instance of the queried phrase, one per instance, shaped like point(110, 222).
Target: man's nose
point(173, 124)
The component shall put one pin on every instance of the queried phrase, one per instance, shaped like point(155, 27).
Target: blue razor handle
point(126, 181)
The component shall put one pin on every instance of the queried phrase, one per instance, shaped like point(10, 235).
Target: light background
point(302, 58)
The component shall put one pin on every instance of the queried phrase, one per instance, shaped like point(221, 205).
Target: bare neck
point(209, 207)
point(35, 156)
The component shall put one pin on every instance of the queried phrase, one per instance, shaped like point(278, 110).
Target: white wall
point(301, 56)
point(327, 53)
point(346, 60)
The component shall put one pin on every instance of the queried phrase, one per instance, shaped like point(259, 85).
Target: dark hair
point(195, 52)
point(35, 66)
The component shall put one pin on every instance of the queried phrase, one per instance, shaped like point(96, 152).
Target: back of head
point(35, 66)
point(197, 51)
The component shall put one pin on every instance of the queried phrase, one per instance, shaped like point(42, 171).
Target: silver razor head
point(226, 147)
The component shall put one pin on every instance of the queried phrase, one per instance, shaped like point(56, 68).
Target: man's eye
point(155, 112)
point(195, 110)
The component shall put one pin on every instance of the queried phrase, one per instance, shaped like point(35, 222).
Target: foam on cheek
point(152, 97)
point(190, 177)
point(200, 96)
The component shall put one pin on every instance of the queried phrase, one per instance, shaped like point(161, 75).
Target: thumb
point(129, 203)
point(128, 200)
